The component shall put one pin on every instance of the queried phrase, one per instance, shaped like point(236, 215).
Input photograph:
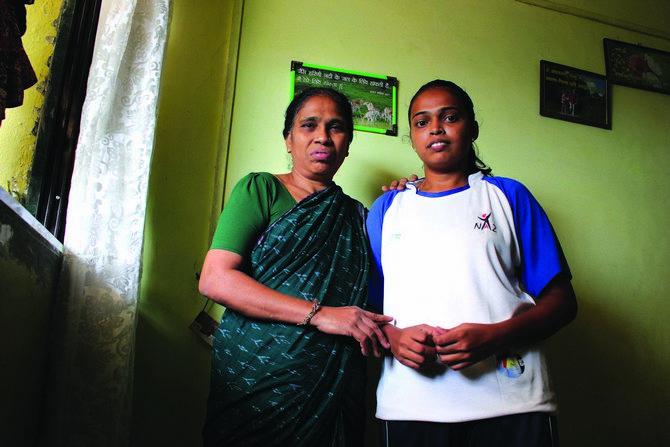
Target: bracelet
point(315, 308)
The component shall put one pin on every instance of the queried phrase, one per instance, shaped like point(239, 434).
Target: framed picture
point(575, 95)
point(637, 66)
point(373, 97)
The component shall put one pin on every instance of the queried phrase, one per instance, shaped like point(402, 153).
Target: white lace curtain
point(91, 383)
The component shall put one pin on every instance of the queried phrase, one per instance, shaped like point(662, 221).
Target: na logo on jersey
point(484, 222)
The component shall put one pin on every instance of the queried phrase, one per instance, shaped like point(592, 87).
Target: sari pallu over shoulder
point(282, 384)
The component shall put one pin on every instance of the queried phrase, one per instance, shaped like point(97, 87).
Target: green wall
point(599, 187)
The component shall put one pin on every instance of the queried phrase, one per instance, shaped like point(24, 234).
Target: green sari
point(281, 384)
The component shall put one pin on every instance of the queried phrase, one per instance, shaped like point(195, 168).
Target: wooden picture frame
point(574, 95)
point(637, 66)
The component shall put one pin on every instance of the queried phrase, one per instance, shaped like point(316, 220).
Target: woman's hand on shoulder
point(412, 346)
point(352, 321)
point(400, 183)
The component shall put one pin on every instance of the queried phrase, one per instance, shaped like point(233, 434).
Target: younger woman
point(490, 282)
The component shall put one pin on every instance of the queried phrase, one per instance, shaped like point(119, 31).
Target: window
point(58, 130)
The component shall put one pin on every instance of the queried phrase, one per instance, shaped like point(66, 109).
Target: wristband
point(315, 308)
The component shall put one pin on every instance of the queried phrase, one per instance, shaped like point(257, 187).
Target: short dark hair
point(342, 102)
point(474, 162)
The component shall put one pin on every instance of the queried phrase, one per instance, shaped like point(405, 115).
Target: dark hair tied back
point(474, 162)
point(342, 102)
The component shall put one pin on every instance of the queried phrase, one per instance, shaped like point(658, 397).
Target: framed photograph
point(637, 66)
point(571, 94)
point(373, 97)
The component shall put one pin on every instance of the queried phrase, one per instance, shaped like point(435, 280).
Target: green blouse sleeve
point(257, 200)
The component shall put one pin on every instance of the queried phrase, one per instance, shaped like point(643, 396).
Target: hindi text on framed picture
point(373, 97)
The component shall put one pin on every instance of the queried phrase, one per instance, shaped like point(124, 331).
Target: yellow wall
point(600, 188)
point(18, 130)
point(652, 14)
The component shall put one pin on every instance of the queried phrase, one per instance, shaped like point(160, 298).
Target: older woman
point(289, 261)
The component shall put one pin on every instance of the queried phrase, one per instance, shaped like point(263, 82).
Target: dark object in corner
point(16, 73)
point(205, 326)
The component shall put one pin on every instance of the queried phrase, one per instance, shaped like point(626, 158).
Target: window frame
point(58, 131)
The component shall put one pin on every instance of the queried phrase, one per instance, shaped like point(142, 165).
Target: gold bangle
point(315, 308)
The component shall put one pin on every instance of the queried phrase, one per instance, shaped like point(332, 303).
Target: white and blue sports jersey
point(475, 254)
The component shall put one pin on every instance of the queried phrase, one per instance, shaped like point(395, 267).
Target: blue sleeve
point(374, 224)
point(541, 254)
